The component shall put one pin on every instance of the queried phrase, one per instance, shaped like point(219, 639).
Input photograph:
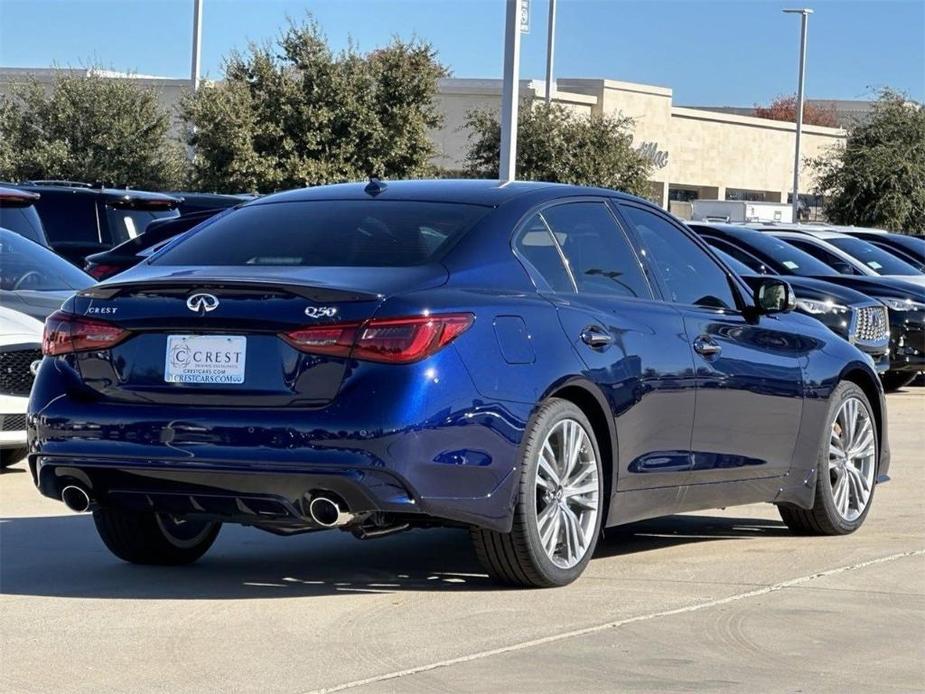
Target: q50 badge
point(321, 311)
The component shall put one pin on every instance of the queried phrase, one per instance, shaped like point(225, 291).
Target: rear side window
point(535, 245)
point(326, 233)
point(599, 255)
point(69, 217)
point(688, 273)
point(24, 221)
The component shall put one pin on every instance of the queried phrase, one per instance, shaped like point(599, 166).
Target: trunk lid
point(171, 309)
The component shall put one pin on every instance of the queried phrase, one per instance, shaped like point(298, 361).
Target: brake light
point(333, 340)
point(66, 332)
point(387, 340)
point(101, 271)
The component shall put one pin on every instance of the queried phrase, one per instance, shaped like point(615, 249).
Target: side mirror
point(773, 295)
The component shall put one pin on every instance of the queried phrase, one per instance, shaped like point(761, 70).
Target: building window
point(682, 195)
point(745, 195)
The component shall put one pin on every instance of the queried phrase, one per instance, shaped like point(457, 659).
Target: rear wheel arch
point(589, 399)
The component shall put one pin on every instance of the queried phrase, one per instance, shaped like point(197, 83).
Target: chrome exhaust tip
point(75, 498)
point(327, 513)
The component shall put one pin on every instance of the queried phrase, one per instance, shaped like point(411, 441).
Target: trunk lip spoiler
point(312, 293)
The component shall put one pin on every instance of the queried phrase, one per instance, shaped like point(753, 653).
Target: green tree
point(877, 178)
point(553, 144)
point(294, 114)
point(87, 127)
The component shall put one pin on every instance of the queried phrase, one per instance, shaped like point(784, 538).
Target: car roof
point(734, 230)
point(804, 230)
point(469, 191)
point(859, 230)
point(206, 197)
point(108, 194)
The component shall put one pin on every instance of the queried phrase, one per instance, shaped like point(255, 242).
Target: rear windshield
point(790, 259)
point(876, 259)
point(126, 223)
point(368, 233)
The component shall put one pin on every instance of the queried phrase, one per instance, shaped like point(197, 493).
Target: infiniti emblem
point(202, 302)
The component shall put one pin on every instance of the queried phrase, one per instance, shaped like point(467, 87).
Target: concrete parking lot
point(720, 600)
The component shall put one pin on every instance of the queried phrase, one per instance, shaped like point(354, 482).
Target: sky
point(737, 52)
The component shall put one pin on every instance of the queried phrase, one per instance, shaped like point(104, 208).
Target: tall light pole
point(804, 12)
point(550, 48)
point(510, 92)
point(197, 41)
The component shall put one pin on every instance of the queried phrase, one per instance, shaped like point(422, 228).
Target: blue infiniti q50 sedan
point(530, 361)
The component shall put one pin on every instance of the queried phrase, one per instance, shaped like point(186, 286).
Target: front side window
point(327, 233)
point(689, 275)
point(599, 255)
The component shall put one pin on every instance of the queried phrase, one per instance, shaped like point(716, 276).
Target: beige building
point(695, 152)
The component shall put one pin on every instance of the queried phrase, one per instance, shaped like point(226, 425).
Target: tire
point(151, 538)
point(894, 380)
point(828, 514)
point(571, 514)
point(11, 456)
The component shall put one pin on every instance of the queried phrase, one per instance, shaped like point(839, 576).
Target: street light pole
point(197, 41)
point(510, 92)
point(804, 12)
point(550, 49)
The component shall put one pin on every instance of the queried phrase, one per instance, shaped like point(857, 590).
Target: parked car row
point(46, 230)
point(807, 252)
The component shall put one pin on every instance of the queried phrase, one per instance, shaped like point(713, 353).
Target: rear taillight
point(388, 340)
point(101, 271)
point(66, 332)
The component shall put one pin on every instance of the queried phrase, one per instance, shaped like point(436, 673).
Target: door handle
point(595, 336)
point(705, 346)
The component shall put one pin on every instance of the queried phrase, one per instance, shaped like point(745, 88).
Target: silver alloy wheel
point(567, 493)
point(852, 459)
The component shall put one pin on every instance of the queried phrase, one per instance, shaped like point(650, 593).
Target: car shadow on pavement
point(62, 556)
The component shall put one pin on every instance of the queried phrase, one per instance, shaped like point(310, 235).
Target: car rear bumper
point(447, 456)
point(268, 497)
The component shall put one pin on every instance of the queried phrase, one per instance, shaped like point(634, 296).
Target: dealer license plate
point(205, 359)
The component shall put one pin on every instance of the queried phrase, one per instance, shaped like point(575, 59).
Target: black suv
point(81, 219)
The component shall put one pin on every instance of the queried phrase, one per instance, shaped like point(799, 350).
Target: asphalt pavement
point(723, 600)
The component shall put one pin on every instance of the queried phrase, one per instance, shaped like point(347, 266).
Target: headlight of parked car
point(816, 307)
point(897, 304)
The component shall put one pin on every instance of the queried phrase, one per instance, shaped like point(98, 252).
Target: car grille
point(12, 422)
point(15, 375)
point(873, 325)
